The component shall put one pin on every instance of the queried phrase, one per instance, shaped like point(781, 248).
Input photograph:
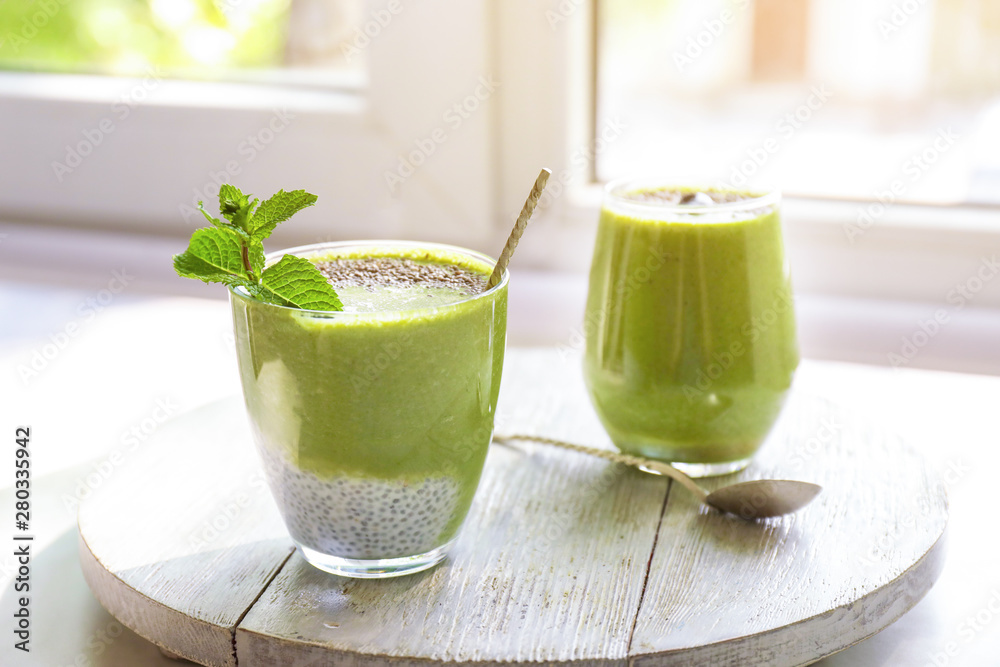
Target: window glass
point(189, 38)
point(860, 99)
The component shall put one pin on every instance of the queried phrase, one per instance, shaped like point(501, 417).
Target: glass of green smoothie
point(689, 326)
point(373, 423)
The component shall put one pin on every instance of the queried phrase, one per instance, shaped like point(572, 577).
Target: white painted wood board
point(563, 560)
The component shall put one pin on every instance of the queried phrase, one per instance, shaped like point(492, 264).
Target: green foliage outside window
point(129, 36)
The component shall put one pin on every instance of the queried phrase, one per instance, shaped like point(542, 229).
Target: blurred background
point(878, 119)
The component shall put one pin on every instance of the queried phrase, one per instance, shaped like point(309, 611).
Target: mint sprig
point(231, 252)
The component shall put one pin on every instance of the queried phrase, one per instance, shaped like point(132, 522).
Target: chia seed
point(674, 196)
point(375, 272)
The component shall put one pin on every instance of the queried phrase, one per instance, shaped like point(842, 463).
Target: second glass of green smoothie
point(690, 326)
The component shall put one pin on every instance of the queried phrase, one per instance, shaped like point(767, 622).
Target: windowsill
point(299, 93)
point(546, 307)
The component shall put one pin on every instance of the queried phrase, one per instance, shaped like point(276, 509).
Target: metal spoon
point(758, 499)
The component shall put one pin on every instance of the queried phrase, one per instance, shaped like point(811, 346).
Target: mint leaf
point(231, 199)
point(215, 221)
point(222, 224)
point(252, 251)
point(255, 255)
point(280, 207)
point(295, 281)
point(214, 255)
point(235, 206)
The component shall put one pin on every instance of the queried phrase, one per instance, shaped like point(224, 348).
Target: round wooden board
point(564, 559)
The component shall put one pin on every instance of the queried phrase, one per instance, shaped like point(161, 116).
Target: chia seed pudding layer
point(362, 517)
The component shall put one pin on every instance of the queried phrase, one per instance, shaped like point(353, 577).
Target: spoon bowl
point(763, 498)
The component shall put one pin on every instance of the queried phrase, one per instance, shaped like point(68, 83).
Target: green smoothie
point(373, 423)
point(690, 329)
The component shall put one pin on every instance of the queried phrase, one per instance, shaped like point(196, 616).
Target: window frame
point(171, 138)
point(542, 53)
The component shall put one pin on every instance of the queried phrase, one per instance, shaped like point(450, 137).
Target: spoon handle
point(617, 457)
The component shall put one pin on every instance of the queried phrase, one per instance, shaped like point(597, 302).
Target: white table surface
point(140, 358)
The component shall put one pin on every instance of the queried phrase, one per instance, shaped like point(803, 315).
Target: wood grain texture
point(182, 537)
point(564, 559)
point(554, 545)
point(836, 572)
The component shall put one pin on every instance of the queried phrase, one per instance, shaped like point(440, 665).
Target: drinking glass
point(690, 328)
point(373, 426)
